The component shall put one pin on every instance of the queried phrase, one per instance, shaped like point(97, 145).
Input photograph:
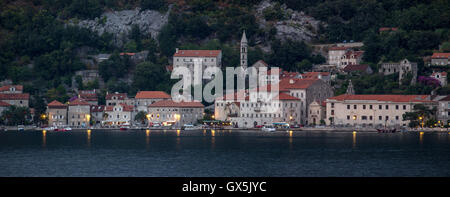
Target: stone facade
point(79, 113)
point(119, 114)
point(403, 68)
point(443, 113)
point(440, 59)
point(145, 98)
point(316, 113)
point(169, 112)
point(57, 114)
point(371, 110)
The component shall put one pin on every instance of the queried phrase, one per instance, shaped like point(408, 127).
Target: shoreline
point(247, 130)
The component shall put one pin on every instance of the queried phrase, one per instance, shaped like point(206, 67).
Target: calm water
point(227, 153)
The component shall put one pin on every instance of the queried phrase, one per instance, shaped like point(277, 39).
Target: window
point(380, 107)
point(387, 117)
point(396, 118)
point(364, 117)
point(354, 106)
point(387, 106)
point(364, 106)
point(396, 106)
point(370, 106)
point(380, 118)
point(348, 117)
point(332, 105)
point(404, 107)
point(370, 118)
point(348, 106)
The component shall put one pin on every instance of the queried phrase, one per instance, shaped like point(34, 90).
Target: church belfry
point(244, 51)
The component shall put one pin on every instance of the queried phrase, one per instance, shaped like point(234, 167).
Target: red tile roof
point(314, 75)
point(383, 97)
point(7, 87)
point(88, 97)
point(440, 55)
point(15, 96)
point(127, 108)
point(120, 96)
point(356, 54)
point(294, 83)
point(79, 101)
point(442, 73)
point(4, 104)
point(356, 67)
point(387, 29)
point(56, 104)
point(447, 98)
point(283, 96)
point(197, 53)
point(130, 54)
point(171, 103)
point(97, 108)
point(152, 95)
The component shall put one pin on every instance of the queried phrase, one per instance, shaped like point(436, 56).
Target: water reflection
point(147, 138)
point(178, 139)
point(290, 140)
point(88, 138)
point(421, 137)
point(44, 138)
point(213, 139)
point(354, 139)
point(204, 132)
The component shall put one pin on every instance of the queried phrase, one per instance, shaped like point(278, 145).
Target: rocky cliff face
point(297, 26)
point(119, 23)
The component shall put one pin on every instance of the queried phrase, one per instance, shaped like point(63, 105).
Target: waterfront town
point(303, 99)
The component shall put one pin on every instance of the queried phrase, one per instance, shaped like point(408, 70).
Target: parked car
point(295, 126)
point(20, 128)
point(259, 126)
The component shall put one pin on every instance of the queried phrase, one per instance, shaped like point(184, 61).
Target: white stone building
point(118, 114)
point(371, 110)
point(440, 59)
point(79, 113)
point(169, 112)
point(57, 113)
point(145, 98)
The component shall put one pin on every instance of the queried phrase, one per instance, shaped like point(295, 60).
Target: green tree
point(141, 116)
point(15, 115)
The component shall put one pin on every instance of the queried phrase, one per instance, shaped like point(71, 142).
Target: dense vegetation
point(40, 50)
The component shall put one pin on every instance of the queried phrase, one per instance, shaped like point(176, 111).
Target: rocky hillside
point(119, 23)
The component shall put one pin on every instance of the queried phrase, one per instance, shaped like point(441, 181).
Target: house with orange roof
point(372, 110)
point(204, 58)
point(145, 98)
point(57, 113)
point(169, 112)
point(440, 59)
point(118, 114)
point(115, 98)
point(79, 113)
point(443, 113)
point(342, 56)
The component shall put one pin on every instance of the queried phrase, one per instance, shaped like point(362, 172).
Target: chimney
point(176, 50)
point(291, 81)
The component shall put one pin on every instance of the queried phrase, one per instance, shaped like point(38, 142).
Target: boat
point(187, 127)
point(125, 126)
point(269, 128)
